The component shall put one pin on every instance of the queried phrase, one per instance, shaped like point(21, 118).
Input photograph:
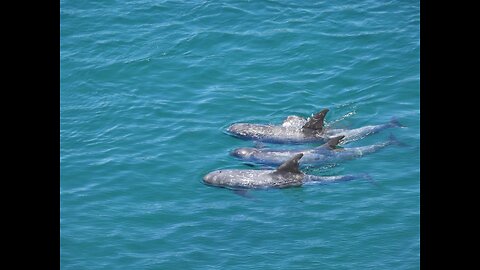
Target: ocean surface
point(147, 89)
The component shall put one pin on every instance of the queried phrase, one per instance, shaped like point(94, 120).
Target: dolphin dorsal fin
point(316, 121)
point(290, 165)
point(333, 142)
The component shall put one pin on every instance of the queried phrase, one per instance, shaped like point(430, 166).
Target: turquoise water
point(147, 89)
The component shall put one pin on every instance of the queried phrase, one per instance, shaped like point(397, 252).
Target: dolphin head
point(240, 129)
point(212, 178)
point(244, 152)
point(252, 131)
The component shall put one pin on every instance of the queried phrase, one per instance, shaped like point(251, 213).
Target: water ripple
point(147, 90)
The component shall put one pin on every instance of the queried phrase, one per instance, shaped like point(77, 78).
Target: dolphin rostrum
point(323, 154)
point(286, 175)
point(295, 130)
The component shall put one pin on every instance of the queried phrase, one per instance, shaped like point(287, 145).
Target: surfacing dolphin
point(321, 155)
point(312, 130)
point(286, 175)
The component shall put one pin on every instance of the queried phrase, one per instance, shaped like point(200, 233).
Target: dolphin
point(296, 130)
point(286, 175)
point(323, 154)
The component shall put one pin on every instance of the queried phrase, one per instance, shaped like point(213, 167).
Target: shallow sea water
point(147, 89)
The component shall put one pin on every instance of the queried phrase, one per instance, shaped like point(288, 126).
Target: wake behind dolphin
point(321, 155)
point(294, 130)
point(286, 175)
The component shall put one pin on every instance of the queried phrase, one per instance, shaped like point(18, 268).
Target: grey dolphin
point(294, 130)
point(323, 154)
point(286, 175)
